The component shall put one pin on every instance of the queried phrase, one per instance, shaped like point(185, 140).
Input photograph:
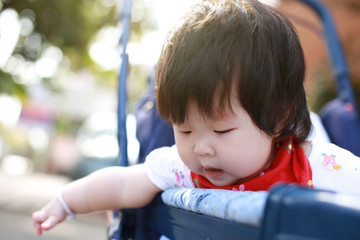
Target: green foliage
point(72, 25)
point(8, 85)
point(66, 24)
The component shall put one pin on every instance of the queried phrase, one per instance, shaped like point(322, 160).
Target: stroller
point(286, 212)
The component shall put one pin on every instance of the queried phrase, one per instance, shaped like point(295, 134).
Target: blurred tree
point(66, 24)
point(71, 26)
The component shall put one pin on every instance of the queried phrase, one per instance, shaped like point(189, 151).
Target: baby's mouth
point(213, 172)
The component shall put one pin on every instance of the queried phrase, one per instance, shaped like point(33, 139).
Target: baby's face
point(228, 149)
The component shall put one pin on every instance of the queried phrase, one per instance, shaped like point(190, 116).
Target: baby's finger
point(50, 222)
point(38, 218)
point(38, 228)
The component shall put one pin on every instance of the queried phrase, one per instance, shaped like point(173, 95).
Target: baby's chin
point(225, 182)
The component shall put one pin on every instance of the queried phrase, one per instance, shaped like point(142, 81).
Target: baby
point(230, 80)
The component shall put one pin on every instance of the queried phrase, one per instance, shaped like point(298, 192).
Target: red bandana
point(290, 165)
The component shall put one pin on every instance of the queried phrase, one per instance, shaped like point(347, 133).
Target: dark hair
point(227, 43)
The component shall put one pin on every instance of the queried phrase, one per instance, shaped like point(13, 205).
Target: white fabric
point(334, 168)
point(318, 132)
point(166, 170)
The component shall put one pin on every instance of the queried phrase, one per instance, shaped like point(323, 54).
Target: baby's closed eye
point(224, 131)
point(185, 131)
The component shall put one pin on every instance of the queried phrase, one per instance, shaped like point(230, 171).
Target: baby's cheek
point(241, 166)
point(187, 157)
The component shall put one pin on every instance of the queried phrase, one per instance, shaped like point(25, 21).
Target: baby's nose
point(203, 147)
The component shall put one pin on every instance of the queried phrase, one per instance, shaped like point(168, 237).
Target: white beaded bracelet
point(70, 214)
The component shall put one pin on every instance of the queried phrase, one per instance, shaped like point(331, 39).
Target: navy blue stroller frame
point(285, 212)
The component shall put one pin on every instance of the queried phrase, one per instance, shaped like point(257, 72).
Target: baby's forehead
point(220, 109)
point(223, 112)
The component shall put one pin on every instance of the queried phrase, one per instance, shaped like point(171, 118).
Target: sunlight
point(47, 64)
point(38, 138)
point(9, 34)
point(166, 12)
point(15, 165)
point(10, 108)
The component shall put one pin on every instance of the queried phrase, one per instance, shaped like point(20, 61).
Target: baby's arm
point(105, 189)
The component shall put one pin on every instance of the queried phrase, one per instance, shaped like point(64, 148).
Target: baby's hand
point(50, 215)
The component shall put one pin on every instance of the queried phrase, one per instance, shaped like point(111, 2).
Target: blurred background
point(59, 62)
point(58, 69)
point(58, 91)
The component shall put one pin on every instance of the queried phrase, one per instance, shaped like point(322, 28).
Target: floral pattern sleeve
point(166, 170)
